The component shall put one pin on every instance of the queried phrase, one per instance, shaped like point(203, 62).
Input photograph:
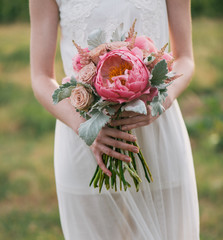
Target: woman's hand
point(131, 120)
point(107, 139)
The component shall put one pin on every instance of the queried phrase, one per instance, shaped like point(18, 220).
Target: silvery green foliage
point(159, 73)
point(102, 104)
point(64, 91)
point(170, 74)
point(137, 106)
point(89, 130)
point(96, 38)
point(157, 107)
point(118, 34)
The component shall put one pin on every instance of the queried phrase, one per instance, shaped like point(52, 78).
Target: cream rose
point(81, 98)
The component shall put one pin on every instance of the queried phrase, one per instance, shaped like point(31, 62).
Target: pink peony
point(76, 61)
point(122, 76)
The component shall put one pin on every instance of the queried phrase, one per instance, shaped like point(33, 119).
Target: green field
point(28, 203)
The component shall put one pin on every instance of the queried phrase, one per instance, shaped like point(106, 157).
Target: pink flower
point(76, 61)
point(121, 76)
point(145, 44)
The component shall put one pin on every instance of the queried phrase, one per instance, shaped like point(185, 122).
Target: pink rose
point(81, 98)
point(121, 76)
point(76, 61)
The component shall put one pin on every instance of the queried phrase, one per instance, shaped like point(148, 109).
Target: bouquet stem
point(117, 168)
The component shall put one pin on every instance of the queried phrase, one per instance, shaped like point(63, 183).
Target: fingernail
point(134, 138)
point(124, 128)
point(136, 150)
point(109, 174)
point(128, 159)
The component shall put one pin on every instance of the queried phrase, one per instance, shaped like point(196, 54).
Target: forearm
point(184, 66)
point(43, 88)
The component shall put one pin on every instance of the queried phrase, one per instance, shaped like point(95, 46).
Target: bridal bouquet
point(125, 74)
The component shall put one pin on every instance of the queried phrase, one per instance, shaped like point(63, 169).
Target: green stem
point(97, 178)
point(144, 161)
point(95, 173)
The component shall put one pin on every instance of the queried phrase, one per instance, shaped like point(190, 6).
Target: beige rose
point(97, 52)
point(81, 98)
point(87, 73)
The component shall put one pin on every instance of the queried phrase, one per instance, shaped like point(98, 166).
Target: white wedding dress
point(166, 209)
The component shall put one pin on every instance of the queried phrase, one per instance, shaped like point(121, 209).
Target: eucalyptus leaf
point(137, 106)
point(159, 73)
point(89, 130)
point(96, 38)
point(118, 33)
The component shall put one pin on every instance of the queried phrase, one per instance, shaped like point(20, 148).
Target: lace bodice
point(79, 17)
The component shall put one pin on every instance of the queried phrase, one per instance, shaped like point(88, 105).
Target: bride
point(166, 209)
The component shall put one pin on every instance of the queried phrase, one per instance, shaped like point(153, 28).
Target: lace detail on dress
point(74, 17)
point(73, 14)
point(150, 13)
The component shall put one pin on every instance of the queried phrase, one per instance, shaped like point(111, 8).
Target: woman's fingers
point(115, 133)
point(131, 120)
point(121, 145)
point(133, 126)
point(114, 154)
point(102, 165)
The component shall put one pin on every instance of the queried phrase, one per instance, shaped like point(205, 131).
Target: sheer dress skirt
point(166, 209)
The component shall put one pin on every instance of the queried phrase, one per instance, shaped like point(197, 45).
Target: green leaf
point(157, 107)
point(159, 73)
point(137, 106)
point(163, 86)
point(64, 91)
point(149, 59)
point(89, 130)
point(102, 104)
point(162, 95)
point(96, 38)
point(117, 35)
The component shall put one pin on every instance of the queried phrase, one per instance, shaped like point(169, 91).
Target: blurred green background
point(28, 203)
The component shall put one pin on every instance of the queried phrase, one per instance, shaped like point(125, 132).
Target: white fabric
point(166, 209)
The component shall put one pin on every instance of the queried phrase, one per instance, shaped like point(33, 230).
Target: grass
point(28, 203)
